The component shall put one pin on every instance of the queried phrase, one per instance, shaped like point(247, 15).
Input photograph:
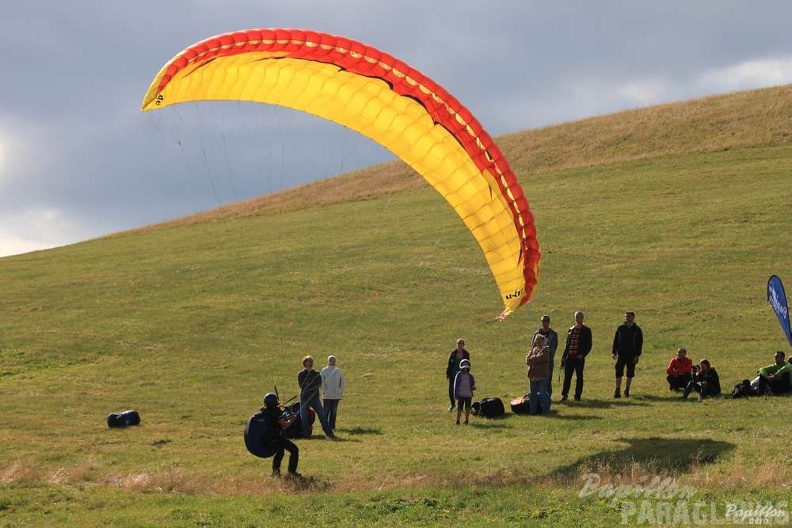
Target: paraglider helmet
point(270, 400)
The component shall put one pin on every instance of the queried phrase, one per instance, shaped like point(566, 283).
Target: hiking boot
point(617, 393)
point(577, 398)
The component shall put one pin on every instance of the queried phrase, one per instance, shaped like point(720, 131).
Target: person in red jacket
point(679, 371)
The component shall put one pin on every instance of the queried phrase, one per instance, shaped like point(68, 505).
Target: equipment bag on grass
point(742, 390)
point(489, 408)
point(520, 404)
point(123, 419)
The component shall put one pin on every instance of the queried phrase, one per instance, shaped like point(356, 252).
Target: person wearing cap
point(457, 355)
point(538, 362)
point(464, 385)
point(578, 346)
point(551, 340)
point(332, 389)
point(627, 346)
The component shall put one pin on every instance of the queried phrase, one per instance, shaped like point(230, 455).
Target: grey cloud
point(78, 148)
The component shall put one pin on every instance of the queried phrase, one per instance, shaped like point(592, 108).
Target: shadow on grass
point(304, 483)
point(670, 396)
point(554, 414)
point(653, 455)
point(355, 431)
point(601, 404)
point(320, 437)
point(487, 424)
point(352, 431)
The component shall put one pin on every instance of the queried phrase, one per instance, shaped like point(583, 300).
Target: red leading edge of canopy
point(356, 57)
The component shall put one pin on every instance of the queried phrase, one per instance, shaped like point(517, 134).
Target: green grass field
point(192, 322)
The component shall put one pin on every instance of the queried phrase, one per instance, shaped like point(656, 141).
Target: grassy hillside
point(757, 118)
point(679, 212)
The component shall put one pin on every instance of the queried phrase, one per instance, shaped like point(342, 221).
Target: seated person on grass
point(705, 381)
point(775, 378)
point(679, 371)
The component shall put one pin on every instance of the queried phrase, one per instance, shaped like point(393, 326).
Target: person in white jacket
point(332, 389)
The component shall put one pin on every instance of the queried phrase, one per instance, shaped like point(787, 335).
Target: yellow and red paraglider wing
point(386, 100)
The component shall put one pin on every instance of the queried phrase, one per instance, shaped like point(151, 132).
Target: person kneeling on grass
point(705, 381)
point(679, 371)
point(464, 385)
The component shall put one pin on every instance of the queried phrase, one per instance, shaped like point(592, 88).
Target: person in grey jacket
point(332, 390)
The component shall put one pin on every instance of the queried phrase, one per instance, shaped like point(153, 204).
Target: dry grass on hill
point(722, 122)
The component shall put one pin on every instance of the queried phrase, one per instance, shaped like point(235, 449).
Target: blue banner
point(777, 299)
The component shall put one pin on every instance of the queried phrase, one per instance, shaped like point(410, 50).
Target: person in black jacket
point(627, 347)
point(264, 435)
point(705, 381)
point(578, 346)
point(456, 357)
point(310, 382)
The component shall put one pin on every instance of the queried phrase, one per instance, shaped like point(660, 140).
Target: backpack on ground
point(520, 404)
point(742, 390)
point(489, 408)
point(123, 419)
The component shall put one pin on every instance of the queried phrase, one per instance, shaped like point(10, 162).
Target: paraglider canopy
point(385, 99)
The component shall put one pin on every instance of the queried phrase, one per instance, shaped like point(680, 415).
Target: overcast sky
point(79, 160)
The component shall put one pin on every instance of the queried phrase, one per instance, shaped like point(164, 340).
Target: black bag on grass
point(489, 408)
point(520, 405)
point(742, 390)
point(123, 419)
